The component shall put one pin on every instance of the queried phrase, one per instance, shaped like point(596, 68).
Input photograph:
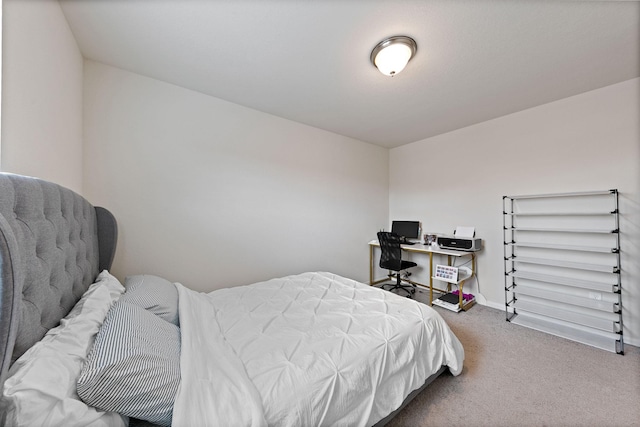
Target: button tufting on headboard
point(49, 255)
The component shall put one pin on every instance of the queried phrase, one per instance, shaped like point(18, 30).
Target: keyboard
point(408, 242)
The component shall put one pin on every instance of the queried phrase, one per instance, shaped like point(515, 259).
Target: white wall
point(213, 194)
point(41, 93)
point(267, 196)
point(587, 142)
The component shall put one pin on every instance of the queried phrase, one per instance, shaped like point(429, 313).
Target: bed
point(80, 348)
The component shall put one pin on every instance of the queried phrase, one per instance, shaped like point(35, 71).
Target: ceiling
point(308, 60)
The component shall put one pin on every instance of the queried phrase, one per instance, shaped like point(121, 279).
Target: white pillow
point(41, 385)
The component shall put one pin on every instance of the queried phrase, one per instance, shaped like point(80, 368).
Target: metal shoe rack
point(562, 266)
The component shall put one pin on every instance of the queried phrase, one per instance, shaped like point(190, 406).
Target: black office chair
point(391, 259)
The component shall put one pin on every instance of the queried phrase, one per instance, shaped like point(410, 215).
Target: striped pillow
point(134, 366)
point(154, 293)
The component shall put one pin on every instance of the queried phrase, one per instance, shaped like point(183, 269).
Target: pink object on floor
point(466, 297)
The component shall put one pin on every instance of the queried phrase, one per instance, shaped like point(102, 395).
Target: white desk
point(427, 250)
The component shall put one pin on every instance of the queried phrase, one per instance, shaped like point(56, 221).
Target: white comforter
point(305, 350)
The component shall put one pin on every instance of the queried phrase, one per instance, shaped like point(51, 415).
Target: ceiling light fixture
point(392, 54)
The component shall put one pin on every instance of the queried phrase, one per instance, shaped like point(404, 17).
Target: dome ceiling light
point(392, 54)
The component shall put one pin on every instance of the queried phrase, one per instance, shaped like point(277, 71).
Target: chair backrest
point(391, 256)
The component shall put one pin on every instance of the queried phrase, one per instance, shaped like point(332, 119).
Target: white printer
point(463, 239)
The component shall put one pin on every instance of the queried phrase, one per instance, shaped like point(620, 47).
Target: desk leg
point(449, 264)
point(430, 278)
point(466, 306)
point(473, 264)
point(370, 265)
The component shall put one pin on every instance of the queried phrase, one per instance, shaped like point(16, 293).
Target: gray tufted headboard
point(53, 244)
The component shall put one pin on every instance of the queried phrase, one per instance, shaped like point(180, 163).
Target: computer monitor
point(406, 229)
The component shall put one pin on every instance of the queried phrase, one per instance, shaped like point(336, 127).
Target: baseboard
point(492, 304)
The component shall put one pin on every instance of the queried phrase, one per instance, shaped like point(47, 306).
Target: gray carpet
point(514, 376)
